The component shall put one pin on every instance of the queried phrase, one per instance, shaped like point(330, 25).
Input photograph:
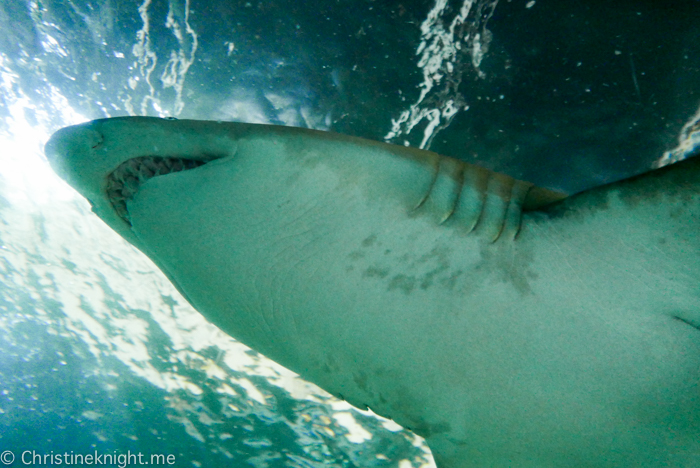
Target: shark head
point(505, 323)
point(107, 160)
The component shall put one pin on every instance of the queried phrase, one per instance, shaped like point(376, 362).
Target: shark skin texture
point(508, 325)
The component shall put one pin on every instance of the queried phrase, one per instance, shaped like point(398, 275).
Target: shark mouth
point(125, 180)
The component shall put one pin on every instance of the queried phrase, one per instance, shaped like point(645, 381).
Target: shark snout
point(71, 140)
point(73, 153)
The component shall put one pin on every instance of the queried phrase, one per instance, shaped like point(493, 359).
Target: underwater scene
point(100, 355)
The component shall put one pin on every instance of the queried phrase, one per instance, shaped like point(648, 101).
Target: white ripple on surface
point(446, 44)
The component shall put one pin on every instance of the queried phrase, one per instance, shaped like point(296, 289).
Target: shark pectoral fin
point(639, 234)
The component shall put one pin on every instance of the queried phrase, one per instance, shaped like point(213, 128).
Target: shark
point(507, 324)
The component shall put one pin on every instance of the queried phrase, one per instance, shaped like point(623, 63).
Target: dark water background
point(98, 352)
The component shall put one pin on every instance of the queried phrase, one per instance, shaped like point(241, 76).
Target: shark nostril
point(93, 137)
point(72, 140)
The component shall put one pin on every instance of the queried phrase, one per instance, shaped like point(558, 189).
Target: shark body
point(506, 324)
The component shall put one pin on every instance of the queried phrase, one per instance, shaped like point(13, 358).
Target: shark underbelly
point(394, 279)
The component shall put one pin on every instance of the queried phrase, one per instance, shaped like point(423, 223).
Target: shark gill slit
point(495, 208)
point(478, 183)
point(436, 174)
point(458, 194)
point(514, 212)
point(476, 199)
point(442, 196)
point(457, 176)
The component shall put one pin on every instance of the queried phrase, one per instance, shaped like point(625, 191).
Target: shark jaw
point(123, 183)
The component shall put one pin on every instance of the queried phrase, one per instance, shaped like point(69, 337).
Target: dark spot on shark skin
point(662, 241)
point(375, 272)
point(513, 269)
point(292, 179)
point(361, 381)
point(506, 262)
point(368, 242)
point(442, 254)
point(424, 270)
point(403, 282)
point(330, 366)
point(430, 276)
point(326, 368)
point(677, 212)
point(450, 282)
point(356, 255)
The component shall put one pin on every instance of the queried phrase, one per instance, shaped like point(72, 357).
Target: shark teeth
point(125, 180)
